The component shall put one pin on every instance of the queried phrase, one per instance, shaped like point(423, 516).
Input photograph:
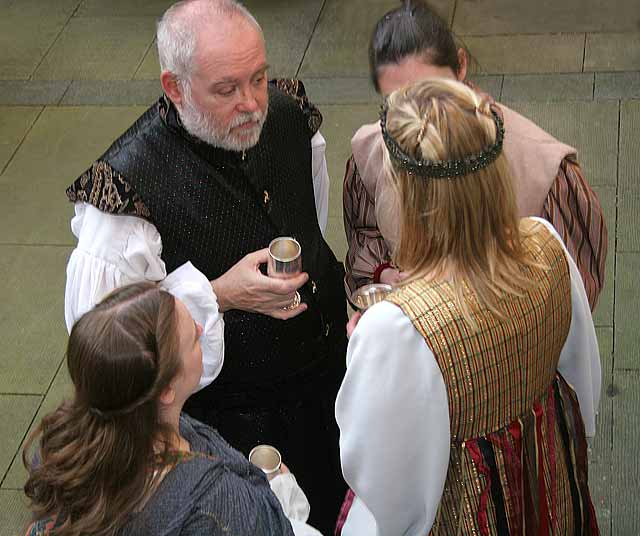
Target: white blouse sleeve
point(393, 416)
point(191, 287)
point(295, 504)
point(580, 357)
point(112, 251)
point(115, 250)
point(320, 179)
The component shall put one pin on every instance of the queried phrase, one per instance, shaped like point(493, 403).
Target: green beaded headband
point(446, 169)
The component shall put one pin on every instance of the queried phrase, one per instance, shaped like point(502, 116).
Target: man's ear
point(168, 396)
point(171, 87)
point(463, 61)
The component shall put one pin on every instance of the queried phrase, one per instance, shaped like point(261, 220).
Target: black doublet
point(212, 207)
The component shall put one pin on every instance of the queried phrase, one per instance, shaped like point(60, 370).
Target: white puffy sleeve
point(393, 416)
point(295, 504)
point(580, 357)
point(194, 290)
point(320, 179)
point(116, 250)
point(112, 251)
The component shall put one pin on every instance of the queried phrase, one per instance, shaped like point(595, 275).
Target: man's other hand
point(245, 287)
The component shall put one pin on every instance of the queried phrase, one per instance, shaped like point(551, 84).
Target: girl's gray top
point(215, 492)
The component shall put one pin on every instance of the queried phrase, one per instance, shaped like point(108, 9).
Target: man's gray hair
point(178, 29)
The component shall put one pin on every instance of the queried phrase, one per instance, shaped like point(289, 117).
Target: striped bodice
point(517, 462)
point(495, 372)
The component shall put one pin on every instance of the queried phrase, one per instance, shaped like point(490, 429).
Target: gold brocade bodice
point(494, 374)
point(514, 464)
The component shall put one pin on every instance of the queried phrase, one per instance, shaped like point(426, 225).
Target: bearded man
point(197, 188)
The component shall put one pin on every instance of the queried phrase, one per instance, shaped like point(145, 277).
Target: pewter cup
point(368, 295)
point(285, 257)
point(266, 458)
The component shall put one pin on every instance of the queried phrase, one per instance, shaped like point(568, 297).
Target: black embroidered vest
point(212, 207)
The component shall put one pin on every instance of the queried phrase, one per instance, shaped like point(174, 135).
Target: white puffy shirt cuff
point(191, 287)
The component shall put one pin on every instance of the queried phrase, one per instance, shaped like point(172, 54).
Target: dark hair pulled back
point(411, 29)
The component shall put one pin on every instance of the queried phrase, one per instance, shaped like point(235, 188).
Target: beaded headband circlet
point(445, 169)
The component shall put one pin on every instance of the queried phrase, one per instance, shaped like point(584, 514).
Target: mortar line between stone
point(526, 34)
point(66, 23)
point(59, 103)
point(613, 337)
point(36, 245)
point(26, 433)
point(22, 141)
point(313, 31)
point(3, 393)
point(144, 57)
point(584, 50)
point(453, 13)
point(615, 238)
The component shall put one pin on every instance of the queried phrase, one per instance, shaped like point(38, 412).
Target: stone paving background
point(75, 73)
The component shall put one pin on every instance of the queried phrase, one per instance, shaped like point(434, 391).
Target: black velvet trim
point(573, 485)
point(497, 496)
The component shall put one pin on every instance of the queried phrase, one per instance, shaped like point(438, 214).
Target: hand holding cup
point(246, 288)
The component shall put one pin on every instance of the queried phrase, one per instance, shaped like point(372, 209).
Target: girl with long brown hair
point(119, 457)
point(469, 392)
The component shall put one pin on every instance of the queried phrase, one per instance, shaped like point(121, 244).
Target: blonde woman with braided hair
point(471, 389)
point(411, 43)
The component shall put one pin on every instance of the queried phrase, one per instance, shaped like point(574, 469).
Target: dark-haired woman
point(121, 458)
point(412, 43)
point(470, 390)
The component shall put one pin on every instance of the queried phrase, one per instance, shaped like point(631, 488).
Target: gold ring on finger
point(295, 303)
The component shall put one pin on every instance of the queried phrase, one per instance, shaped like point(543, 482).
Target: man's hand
point(244, 287)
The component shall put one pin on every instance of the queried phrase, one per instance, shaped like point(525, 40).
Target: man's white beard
point(204, 126)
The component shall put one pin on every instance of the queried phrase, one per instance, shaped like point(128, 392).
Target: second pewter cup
point(365, 297)
point(285, 257)
point(267, 458)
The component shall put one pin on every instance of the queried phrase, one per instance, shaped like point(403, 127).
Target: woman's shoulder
point(193, 429)
point(542, 239)
point(368, 132)
point(367, 148)
point(228, 494)
point(536, 226)
point(524, 129)
point(203, 494)
point(212, 476)
point(207, 440)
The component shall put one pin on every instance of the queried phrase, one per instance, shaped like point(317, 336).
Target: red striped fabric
point(573, 208)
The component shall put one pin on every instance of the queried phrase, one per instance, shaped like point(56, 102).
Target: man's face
point(226, 102)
